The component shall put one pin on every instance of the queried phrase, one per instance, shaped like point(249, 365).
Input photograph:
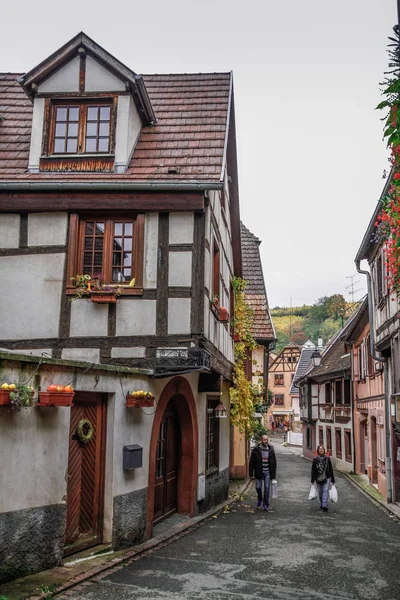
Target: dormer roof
point(187, 144)
point(82, 44)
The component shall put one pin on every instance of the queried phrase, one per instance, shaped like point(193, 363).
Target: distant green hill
point(322, 319)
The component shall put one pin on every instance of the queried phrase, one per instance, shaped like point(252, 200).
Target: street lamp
point(220, 411)
point(316, 358)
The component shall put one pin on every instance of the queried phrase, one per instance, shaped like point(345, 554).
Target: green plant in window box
point(21, 396)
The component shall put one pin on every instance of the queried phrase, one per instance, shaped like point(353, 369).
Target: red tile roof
point(189, 135)
point(256, 295)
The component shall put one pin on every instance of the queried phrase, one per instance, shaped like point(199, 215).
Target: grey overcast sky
point(306, 77)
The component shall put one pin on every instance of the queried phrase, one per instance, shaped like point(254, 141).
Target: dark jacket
point(329, 470)
point(255, 465)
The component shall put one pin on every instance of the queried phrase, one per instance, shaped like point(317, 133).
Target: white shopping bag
point(274, 488)
point(313, 492)
point(333, 495)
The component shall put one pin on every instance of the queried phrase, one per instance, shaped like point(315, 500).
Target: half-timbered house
point(131, 180)
point(281, 376)
point(263, 332)
point(384, 338)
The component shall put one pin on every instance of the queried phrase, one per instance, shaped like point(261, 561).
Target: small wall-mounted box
point(133, 457)
point(201, 488)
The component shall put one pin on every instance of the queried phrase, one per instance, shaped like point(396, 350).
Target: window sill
point(212, 471)
point(124, 292)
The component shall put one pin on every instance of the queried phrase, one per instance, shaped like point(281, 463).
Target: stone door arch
point(179, 392)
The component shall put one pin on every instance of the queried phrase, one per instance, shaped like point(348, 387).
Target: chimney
point(320, 342)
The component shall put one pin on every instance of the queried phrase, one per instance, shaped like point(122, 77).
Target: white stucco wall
point(47, 229)
point(179, 315)
point(181, 228)
point(65, 79)
point(9, 231)
point(88, 319)
point(135, 352)
point(129, 126)
point(136, 317)
point(180, 269)
point(30, 305)
point(100, 79)
point(150, 250)
point(35, 149)
point(91, 355)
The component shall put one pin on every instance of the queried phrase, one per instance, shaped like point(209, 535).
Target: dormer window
point(88, 110)
point(80, 129)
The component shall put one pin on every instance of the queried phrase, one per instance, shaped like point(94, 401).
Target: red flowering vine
point(388, 223)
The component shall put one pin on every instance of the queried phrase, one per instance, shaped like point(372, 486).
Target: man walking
point(263, 468)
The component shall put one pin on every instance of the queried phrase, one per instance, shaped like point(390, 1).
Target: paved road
point(294, 552)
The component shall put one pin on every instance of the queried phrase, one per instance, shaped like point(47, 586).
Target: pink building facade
point(368, 405)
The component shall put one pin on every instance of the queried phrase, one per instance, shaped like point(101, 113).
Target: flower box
point(145, 399)
point(4, 397)
point(55, 398)
point(103, 297)
point(223, 314)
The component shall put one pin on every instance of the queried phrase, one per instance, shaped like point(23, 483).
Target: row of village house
point(103, 170)
point(346, 396)
point(350, 402)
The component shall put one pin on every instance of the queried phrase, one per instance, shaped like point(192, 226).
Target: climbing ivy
point(243, 394)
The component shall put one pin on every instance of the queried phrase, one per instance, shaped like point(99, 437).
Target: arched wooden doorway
point(172, 486)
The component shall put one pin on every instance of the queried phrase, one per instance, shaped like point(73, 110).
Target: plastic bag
point(274, 488)
point(333, 495)
point(313, 492)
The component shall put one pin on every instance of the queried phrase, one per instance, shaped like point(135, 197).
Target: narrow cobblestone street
point(295, 551)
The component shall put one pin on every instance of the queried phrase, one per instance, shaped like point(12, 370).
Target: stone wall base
point(217, 488)
point(129, 519)
point(31, 540)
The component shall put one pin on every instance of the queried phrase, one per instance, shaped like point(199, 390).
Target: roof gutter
point(108, 186)
point(384, 360)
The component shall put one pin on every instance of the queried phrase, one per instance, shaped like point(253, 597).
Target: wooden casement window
point(212, 436)
point(278, 379)
point(347, 445)
point(379, 279)
point(279, 399)
point(347, 391)
point(338, 442)
point(106, 245)
point(370, 363)
point(338, 392)
point(328, 393)
point(81, 128)
point(320, 436)
point(309, 438)
point(216, 295)
point(329, 440)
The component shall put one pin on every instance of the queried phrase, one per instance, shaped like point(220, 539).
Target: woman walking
point(322, 474)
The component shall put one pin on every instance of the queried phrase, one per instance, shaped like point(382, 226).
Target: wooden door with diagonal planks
point(85, 489)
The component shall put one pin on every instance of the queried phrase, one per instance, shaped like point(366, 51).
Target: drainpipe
point(382, 359)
